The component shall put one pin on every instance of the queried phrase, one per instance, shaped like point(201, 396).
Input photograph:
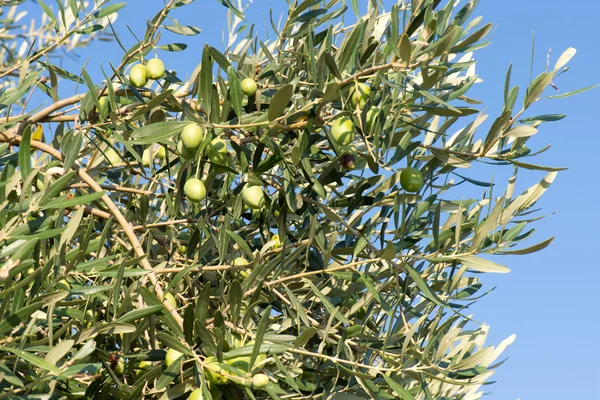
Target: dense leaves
point(304, 264)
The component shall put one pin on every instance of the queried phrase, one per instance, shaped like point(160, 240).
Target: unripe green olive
point(253, 196)
point(195, 190)
point(155, 68)
point(275, 238)
point(240, 261)
point(142, 367)
point(148, 157)
point(192, 136)
point(161, 153)
point(411, 180)
point(360, 94)
point(120, 368)
point(217, 151)
point(63, 284)
point(248, 86)
point(171, 356)
point(112, 156)
point(138, 75)
point(342, 131)
point(260, 381)
point(372, 118)
point(171, 299)
point(196, 395)
point(212, 376)
point(185, 152)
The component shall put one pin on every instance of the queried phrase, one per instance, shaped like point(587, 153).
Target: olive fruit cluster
point(213, 372)
point(140, 73)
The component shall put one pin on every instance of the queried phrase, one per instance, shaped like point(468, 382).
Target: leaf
point(11, 96)
point(568, 94)
point(521, 131)
point(30, 358)
point(173, 47)
point(449, 159)
point(530, 249)
point(71, 227)
point(331, 64)
point(490, 223)
point(59, 351)
point(185, 30)
point(206, 80)
point(542, 118)
point(169, 374)
point(536, 167)
point(447, 112)
point(474, 38)
point(564, 58)
point(232, 8)
point(265, 348)
point(242, 243)
point(158, 132)
point(76, 201)
point(57, 187)
point(279, 101)
point(536, 88)
point(49, 13)
point(307, 16)
point(220, 58)
point(24, 314)
point(235, 300)
point(398, 389)
point(140, 313)
point(235, 91)
point(405, 48)
point(71, 145)
point(482, 265)
point(25, 153)
point(106, 11)
point(349, 46)
point(260, 333)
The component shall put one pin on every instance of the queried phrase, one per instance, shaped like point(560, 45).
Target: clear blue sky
point(549, 300)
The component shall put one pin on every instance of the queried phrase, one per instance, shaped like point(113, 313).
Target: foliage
point(336, 284)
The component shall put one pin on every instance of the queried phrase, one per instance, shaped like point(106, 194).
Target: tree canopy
point(290, 220)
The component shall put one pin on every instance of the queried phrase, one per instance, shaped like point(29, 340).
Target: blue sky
point(549, 300)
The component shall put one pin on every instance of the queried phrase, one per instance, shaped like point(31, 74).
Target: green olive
point(195, 190)
point(142, 368)
point(213, 376)
point(360, 95)
point(148, 157)
point(217, 151)
point(342, 131)
point(253, 196)
point(411, 180)
point(372, 118)
point(260, 381)
point(185, 152)
point(171, 356)
point(155, 68)
point(138, 75)
point(120, 368)
point(192, 136)
point(196, 395)
point(248, 86)
point(240, 261)
point(112, 156)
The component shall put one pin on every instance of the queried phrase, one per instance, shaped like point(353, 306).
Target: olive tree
point(289, 220)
